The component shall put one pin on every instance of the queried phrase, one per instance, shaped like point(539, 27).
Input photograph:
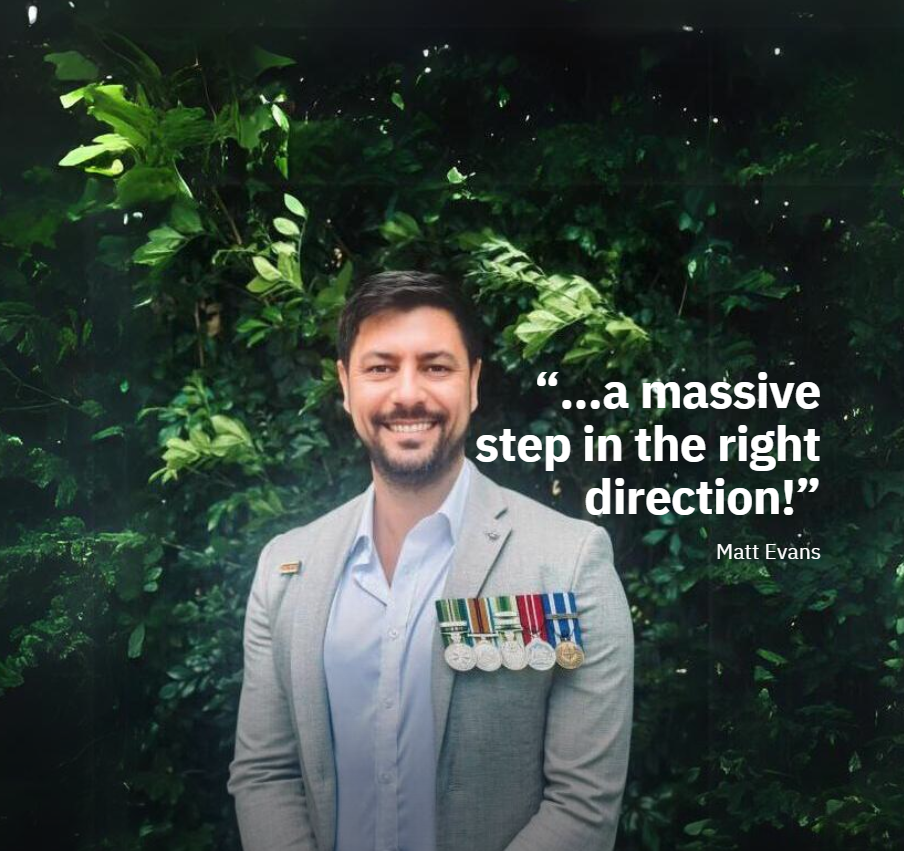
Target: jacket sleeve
point(265, 776)
point(588, 728)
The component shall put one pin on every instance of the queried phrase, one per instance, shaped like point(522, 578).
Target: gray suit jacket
point(526, 760)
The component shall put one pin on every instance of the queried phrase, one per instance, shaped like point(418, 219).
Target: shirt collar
point(453, 509)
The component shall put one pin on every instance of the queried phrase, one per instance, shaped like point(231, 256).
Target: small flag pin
point(289, 567)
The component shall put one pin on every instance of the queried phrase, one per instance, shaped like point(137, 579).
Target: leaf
point(223, 425)
point(71, 65)
point(266, 269)
point(695, 828)
point(401, 228)
point(251, 126)
point(769, 656)
point(259, 285)
point(654, 536)
point(184, 127)
point(263, 60)
point(103, 434)
point(70, 99)
point(115, 169)
point(184, 217)
point(453, 175)
point(398, 101)
point(286, 226)
point(162, 245)
point(109, 104)
point(289, 268)
point(82, 154)
point(344, 278)
point(136, 641)
point(146, 185)
point(293, 205)
point(10, 677)
point(280, 118)
point(762, 675)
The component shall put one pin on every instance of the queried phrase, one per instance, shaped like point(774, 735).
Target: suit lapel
point(321, 571)
point(484, 531)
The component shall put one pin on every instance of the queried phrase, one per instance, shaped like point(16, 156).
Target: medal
point(453, 624)
point(514, 656)
point(480, 626)
point(563, 629)
point(504, 611)
point(540, 653)
point(569, 655)
point(458, 655)
point(488, 656)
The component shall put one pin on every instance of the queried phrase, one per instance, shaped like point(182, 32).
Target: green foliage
point(167, 362)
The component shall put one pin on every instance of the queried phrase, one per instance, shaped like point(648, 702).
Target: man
point(354, 734)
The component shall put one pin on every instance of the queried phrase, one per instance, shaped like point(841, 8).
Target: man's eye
point(379, 368)
point(438, 368)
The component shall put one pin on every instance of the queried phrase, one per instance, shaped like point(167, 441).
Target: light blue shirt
point(377, 658)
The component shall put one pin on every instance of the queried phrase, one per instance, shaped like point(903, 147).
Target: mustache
point(402, 414)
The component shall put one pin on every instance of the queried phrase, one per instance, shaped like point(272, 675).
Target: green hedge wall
point(182, 212)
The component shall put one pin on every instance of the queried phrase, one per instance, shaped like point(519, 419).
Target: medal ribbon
point(479, 618)
point(449, 611)
point(504, 612)
point(561, 628)
point(486, 615)
point(533, 620)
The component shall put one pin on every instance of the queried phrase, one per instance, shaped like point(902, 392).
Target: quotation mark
point(802, 486)
point(543, 381)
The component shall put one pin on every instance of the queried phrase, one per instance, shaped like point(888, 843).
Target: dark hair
point(405, 291)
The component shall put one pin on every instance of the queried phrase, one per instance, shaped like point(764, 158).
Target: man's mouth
point(410, 427)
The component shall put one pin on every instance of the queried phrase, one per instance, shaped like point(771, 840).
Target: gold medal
point(569, 655)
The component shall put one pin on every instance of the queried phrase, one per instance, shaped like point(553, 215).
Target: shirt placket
point(389, 708)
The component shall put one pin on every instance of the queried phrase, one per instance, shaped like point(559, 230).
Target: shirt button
point(385, 777)
point(393, 633)
point(388, 703)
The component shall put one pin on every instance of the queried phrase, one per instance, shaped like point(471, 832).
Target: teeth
point(409, 427)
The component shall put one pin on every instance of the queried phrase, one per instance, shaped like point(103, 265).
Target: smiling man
point(440, 663)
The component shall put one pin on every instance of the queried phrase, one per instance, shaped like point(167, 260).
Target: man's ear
point(343, 380)
point(475, 379)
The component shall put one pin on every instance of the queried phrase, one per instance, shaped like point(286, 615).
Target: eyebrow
point(426, 356)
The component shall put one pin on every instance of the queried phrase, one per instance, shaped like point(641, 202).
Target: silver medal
point(513, 656)
point(460, 656)
point(540, 655)
point(488, 656)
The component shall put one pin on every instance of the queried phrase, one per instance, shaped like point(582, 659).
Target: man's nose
point(408, 389)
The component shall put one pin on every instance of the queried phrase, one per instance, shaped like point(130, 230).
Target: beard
point(417, 473)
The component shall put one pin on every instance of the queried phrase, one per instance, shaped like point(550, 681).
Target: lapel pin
point(493, 535)
point(289, 567)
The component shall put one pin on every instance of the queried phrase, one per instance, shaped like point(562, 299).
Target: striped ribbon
point(533, 619)
point(562, 628)
point(449, 611)
point(504, 611)
point(480, 618)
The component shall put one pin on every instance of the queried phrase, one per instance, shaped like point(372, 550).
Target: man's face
point(410, 390)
